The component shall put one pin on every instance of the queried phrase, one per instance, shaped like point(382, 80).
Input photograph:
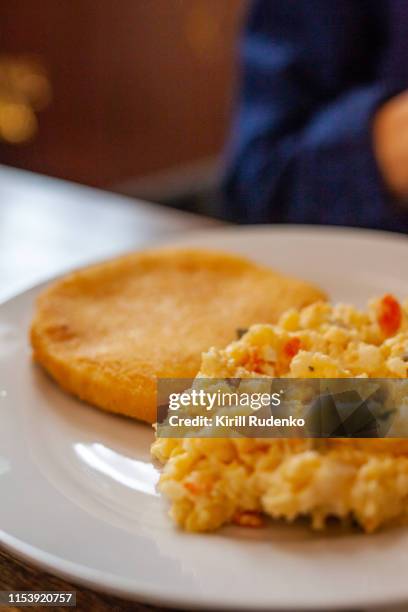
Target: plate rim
point(105, 582)
point(179, 238)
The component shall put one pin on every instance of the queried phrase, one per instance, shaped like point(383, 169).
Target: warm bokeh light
point(24, 90)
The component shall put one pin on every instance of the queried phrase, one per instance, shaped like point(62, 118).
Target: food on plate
point(105, 333)
point(211, 482)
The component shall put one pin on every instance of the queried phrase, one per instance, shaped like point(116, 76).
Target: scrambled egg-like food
point(211, 482)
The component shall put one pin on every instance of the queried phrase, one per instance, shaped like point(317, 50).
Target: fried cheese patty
point(211, 482)
point(105, 333)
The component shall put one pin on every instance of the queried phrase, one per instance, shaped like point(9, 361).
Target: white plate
point(77, 487)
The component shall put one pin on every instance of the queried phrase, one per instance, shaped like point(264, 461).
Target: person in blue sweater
point(321, 127)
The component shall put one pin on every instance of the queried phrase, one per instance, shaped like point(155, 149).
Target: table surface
point(48, 226)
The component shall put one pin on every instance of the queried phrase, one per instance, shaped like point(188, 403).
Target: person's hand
point(390, 133)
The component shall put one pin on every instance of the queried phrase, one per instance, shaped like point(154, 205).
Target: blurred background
point(135, 101)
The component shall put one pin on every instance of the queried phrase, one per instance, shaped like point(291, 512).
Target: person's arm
point(390, 131)
point(302, 146)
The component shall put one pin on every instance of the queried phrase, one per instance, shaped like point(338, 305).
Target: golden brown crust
point(105, 333)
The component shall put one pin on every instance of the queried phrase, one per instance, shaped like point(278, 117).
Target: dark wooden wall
point(138, 85)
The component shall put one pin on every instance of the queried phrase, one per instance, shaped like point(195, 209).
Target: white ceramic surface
point(77, 487)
